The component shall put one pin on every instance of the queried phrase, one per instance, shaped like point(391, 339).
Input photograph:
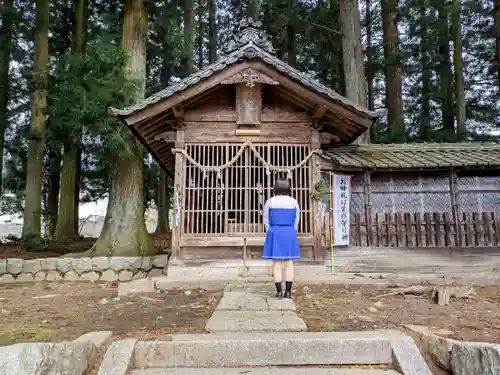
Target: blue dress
point(281, 218)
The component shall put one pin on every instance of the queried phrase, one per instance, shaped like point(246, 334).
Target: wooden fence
point(426, 230)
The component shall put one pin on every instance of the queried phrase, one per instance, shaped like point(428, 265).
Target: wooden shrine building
point(226, 132)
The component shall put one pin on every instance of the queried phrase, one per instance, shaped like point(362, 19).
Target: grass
point(18, 334)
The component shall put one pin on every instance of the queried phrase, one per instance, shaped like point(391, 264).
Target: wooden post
point(367, 187)
point(316, 177)
point(455, 209)
point(178, 196)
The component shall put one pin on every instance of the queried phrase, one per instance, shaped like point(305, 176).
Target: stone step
point(270, 349)
point(264, 371)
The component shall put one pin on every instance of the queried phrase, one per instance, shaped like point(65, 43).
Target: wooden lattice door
point(229, 202)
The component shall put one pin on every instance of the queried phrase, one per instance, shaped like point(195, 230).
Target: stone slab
point(263, 371)
point(255, 321)
point(118, 358)
point(68, 358)
point(267, 349)
point(407, 358)
point(475, 358)
point(241, 301)
point(98, 338)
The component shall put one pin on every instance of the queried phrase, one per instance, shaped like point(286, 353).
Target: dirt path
point(357, 308)
point(64, 311)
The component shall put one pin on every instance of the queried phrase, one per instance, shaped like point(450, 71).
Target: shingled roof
point(415, 156)
point(250, 43)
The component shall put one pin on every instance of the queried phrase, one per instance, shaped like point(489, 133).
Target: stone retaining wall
point(82, 269)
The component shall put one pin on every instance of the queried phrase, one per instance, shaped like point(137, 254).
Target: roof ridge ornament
point(249, 31)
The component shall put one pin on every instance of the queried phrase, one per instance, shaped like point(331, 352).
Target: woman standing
point(281, 220)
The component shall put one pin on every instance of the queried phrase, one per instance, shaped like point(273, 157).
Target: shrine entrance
point(227, 199)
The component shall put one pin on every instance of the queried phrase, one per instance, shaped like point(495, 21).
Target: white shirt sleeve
point(297, 215)
point(266, 214)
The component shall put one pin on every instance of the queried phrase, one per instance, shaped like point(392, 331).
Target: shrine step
point(264, 371)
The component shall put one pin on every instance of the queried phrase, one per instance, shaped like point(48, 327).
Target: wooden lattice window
point(230, 203)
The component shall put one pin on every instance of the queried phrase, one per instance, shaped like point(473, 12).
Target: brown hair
point(282, 187)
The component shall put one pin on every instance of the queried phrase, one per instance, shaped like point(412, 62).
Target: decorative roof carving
point(249, 31)
point(250, 77)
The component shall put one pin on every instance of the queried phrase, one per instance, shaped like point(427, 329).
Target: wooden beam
point(168, 137)
point(184, 95)
point(317, 115)
point(222, 241)
point(304, 92)
point(178, 197)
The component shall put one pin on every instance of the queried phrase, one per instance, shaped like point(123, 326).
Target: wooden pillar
point(455, 209)
point(316, 217)
point(367, 189)
point(178, 197)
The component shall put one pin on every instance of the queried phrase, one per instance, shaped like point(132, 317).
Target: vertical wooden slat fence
point(427, 230)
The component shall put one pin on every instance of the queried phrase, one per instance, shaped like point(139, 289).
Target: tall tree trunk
point(188, 37)
point(163, 204)
point(124, 232)
point(212, 31)
point(370, 74)
point(162, 199)
point(496, 12)
point(352, 52)
point(53, 189)
point(291, 53)
point(67, 223)
point(425, 110)
point(459, 74)
point(33, 204)
point(393, 79)
point(6, 33)
point(445, 75)
point(201, 34)
point(253, 9)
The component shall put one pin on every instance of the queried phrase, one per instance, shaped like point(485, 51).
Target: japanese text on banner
point(341, 185)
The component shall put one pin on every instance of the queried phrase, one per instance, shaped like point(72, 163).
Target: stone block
point(98, 338)
point(160, 261)
point(281, 304)
point(407, 358)
point(118, 358)
point(3, 266)
point(147, 263)
point(90, 276)
point(140, 274)
point(242, 302)
point(125, 263)
point(136, 286)
point(7, 278)
point(14, 266)
point(155, 272)
point(83, 264)
point(255, 321)
point(475, 358)
point(32, 266)
point(65, 264)
point(262, 371)
point(40, 276)
point(48, 264)
point(53, 276)
point(71, 276)
point(100, 263)
point(165, 283)
point(66, 358)
point(25, 278)
point(212, 284)
point(266, 349)
point(109, 275)
point(125, 275)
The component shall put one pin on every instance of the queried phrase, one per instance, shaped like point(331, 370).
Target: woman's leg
point(278, 276)
point(289, 274)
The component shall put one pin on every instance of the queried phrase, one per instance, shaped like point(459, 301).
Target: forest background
point(431, 67)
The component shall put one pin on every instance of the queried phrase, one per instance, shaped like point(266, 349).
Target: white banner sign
point(341, 197)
